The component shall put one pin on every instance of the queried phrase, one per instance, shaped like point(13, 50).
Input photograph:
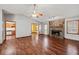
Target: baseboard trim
point(71, 39)
point(45, 34)
point(41, 34)
point(23, 37)
point(29, 36)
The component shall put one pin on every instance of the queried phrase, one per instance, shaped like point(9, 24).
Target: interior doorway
point(10, 30)
point(35, 28)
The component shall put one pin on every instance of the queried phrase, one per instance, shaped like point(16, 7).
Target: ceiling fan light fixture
point(36, 14)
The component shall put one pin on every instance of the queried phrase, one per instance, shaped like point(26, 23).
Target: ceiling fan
point(36, 14)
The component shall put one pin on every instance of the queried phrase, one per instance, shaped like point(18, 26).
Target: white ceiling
point(49, 10)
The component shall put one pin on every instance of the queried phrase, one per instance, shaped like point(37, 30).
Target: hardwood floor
point(39, 45)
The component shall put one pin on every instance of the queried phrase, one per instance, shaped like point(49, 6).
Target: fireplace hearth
point(57, 32)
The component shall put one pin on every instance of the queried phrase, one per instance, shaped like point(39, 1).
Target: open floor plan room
point(39, 29)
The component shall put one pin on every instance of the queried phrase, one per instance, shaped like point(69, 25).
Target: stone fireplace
point(56, 32)
point(56, 28)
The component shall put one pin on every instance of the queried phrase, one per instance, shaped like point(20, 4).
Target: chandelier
point(36, 14)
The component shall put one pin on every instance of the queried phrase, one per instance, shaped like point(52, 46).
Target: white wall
point(71, 36)
point(3, 27)
point(0, 26)
point(23, 26)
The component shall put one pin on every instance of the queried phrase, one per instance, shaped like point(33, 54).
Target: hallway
point(39, 45)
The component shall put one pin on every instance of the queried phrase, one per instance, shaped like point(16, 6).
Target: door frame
point(5, 27)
